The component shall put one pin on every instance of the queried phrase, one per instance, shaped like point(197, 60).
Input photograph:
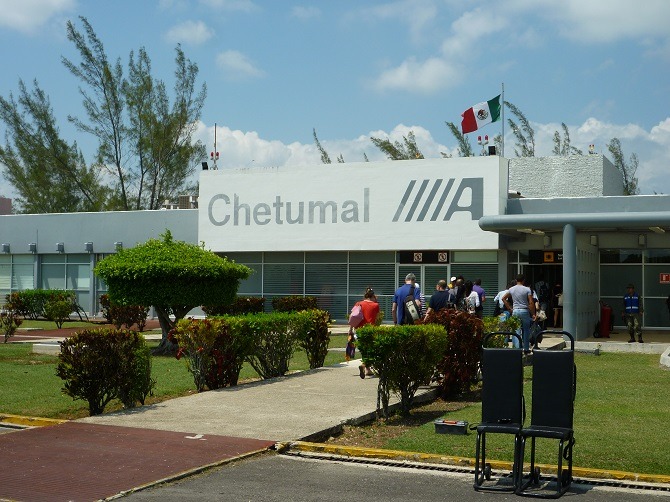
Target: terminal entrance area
point(552, 275)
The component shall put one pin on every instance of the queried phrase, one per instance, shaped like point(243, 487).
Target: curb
point(355, 451)
point(29, 421)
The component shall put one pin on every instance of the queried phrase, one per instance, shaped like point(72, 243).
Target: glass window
point(5, 278)
point(283, 279)
point(53, 258)
point(372, 257)
point(325, 279)
point(326, 257)
point(22, 277)
point(658, 256)
point(474, 257)
point(53, 276)
point(78, 258)
point(244, 257)
point(253, 285)
point(652, 280)
point(78, 277)
point(614, 278)
point(620, 256)
point(285, 257)
point(379, 276)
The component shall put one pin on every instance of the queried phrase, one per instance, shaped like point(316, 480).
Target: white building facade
point(332, 230)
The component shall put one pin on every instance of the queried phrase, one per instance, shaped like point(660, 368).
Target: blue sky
point(276, 69)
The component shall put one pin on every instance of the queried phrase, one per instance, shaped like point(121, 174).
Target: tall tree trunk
point(166, 347)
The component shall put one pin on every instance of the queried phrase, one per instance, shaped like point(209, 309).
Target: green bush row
point(215, 348)
point(52, 304)
point(240, 306)
point(9, 319)
point(445, 347)
point(102, 364)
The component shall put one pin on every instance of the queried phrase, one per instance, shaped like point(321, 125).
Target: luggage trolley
point(552, 410)
point(503, 408)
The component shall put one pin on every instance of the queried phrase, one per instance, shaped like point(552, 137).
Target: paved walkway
point(98, 457)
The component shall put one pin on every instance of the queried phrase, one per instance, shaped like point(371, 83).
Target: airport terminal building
point(331, 230)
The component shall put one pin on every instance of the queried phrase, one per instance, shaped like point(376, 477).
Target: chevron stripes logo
point(426, 200)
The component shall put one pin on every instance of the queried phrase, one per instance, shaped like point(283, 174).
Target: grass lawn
point(30, 386)
point(621, 419)
point(42, 324)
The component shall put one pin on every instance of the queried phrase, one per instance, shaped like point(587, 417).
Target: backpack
point(412, 311)
point(497, 310)
point(356, 316)
point(543, 292)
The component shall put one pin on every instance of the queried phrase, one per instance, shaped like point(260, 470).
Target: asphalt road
point(281, 478)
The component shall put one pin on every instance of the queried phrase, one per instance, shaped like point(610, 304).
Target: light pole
point(483, 144)
point(214, 156)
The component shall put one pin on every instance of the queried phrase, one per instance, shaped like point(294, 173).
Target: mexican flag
point(480, 114)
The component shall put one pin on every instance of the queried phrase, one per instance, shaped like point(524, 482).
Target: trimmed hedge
point(294, 303)
point(241, 305)
point(101, 365)
point(32, 303)
point(214, 350)
point(404, 357)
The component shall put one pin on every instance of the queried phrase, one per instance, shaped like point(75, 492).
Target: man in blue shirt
point(632, 308)
point(398, 308)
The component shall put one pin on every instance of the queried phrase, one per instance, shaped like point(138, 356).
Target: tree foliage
point(562, 146)
point(523, 132)
point(48, 174)
point(407, 150)
point(627, 169)
point(144, 142)
point(464, 146)
point(173, 276)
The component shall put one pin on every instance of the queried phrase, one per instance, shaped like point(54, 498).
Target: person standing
point(470, 298)
point(442, 298)
point(370, 309)
point(398, 307)
point(519, 299)
point(632, 308)
point(477, 287)
point(557, 304)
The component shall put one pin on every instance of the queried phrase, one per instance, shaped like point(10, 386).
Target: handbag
point(356, 316)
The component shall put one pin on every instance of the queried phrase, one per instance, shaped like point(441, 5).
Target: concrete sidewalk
point(300, 406)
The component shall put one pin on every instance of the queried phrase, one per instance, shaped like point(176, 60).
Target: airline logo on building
point(435, 203)
point(426, 200)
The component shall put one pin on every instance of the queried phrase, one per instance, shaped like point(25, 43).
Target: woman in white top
point(471, 297)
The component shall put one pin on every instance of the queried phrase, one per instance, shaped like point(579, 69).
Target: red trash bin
point(605, 319)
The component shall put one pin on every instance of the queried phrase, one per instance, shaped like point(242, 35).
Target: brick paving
point(80, 462)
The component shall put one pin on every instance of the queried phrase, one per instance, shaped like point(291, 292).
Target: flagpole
point(502, 146)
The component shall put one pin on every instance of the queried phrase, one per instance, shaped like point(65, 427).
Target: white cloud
point(237, 66)
point(231, 5)
point(189, 32)
point(240, 149)
point(305, 13)
point(29, 15)
point(469, 29)
point(426, 76)
point(418, 14)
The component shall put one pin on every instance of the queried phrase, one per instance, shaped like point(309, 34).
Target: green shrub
point(101, 365)
point(314, 335)
point(274, 338)
point(241, 306)
point(494, 323)
point(404, 357)
point(9, 320)
point(214, 350)
point(32, 303)
point(460, 363)
point(294, 303)
point(58, 309)
point(127, 315)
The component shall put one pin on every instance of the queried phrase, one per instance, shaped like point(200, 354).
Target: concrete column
point(570, 279)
